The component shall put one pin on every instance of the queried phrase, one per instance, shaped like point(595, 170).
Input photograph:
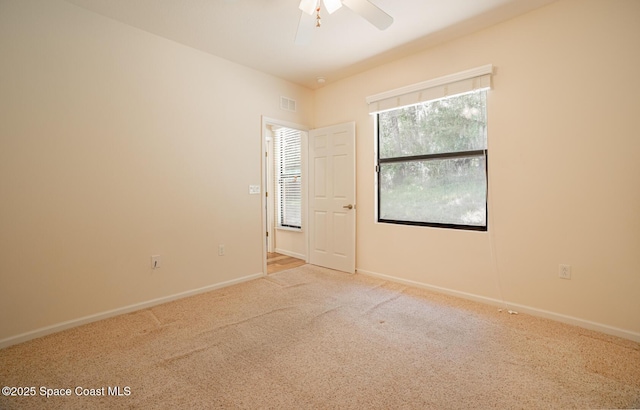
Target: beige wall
point(564, 168)
point(116, 145)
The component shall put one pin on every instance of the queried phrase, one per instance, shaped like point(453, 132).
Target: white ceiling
point(260, 33)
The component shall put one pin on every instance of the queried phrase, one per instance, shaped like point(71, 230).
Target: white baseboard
point(119, 311)
point(610, 330)
point(292, 254)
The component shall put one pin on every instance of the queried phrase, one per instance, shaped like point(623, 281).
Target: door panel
point(320, 233)
point(319, 183)
point(341, 186)
point(332, 197)
point(340, 246)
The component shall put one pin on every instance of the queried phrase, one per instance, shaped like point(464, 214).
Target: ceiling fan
point(364, 8)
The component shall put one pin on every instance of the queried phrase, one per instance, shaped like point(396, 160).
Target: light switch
point(254, 189)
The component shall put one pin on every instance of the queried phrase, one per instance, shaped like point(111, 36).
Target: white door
point(332, 194)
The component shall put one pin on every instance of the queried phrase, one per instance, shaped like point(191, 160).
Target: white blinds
point(465, 81)
point(288, 177)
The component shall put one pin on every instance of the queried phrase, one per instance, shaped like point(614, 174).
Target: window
point(288, 177)
point(432, 162)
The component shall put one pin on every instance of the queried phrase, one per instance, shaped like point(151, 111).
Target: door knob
point(348, 206)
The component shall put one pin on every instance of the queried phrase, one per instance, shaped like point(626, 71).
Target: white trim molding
point(435, 82)
point(58, 327)
point(558, 317)
point(292, 254)
point(478, 78)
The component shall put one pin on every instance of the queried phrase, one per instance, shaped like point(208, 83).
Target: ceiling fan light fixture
point(308, 6)
point(364, 8)
point(332, 5)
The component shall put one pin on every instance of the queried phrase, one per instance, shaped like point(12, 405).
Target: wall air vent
point(287, 104)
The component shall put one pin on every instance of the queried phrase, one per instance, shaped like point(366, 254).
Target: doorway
point(277, 262)
point(284, 147)
point(327, 232)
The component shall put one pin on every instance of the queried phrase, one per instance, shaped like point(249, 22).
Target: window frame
point(445, 155)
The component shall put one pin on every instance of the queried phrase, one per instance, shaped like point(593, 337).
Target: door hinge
point(267, 233)
point(377, 168)
point(266, 194)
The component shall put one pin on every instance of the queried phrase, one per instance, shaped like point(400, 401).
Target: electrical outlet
point(155, 261)
point(220, 250)
point(564, 272)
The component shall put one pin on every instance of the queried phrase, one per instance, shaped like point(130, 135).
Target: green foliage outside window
point(432, 162)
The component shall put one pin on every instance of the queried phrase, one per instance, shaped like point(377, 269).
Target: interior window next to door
point(288, 178)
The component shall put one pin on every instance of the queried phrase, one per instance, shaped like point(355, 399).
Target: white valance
point(465, 81)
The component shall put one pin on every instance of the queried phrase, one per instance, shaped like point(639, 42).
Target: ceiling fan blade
point(370, 12)
point(305, 29)
point(308, 6)
point(332, 5)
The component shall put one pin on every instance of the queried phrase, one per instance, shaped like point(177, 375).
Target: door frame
point(267, 221)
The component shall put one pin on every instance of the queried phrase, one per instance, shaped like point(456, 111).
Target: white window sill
point(286, 228)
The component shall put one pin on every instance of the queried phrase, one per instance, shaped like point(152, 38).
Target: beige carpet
point(315, 338)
